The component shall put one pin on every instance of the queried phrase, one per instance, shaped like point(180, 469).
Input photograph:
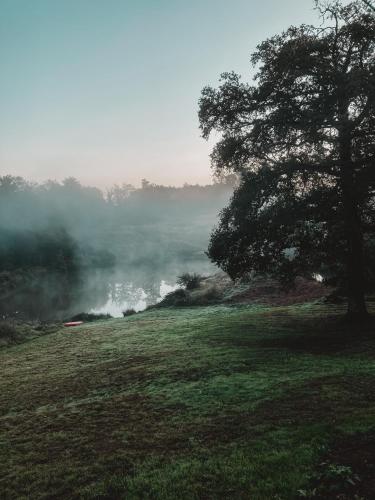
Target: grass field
point(244, 402)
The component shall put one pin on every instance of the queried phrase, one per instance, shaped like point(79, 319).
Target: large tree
point(302, 139)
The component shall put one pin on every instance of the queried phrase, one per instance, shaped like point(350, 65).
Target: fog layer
point(67, 248)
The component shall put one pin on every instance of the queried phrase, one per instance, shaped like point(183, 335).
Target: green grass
point(212, 402)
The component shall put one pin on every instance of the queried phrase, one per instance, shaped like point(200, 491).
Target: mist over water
point(107, 291)
point(67, 249)
point(139, 288)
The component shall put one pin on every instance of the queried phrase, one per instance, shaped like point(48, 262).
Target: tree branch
point(369, 4)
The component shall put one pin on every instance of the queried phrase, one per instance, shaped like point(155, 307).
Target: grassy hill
point(249, 402)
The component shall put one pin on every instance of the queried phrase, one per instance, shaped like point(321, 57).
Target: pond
point(48, 296)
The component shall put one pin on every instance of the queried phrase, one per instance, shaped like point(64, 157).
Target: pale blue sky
point(107, 90)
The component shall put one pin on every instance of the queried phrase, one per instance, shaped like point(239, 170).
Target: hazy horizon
point(107, 92)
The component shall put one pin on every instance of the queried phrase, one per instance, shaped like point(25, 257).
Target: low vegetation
point(16, 332)
point(129, 312)
point(190, 280)
point(220, 289)
point(226, 401)
point(186, 298)
point(8, 332)
point(90, 317)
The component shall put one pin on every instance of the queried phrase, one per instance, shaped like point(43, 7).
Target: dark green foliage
point(51, 248)
point(190, 280)
point(195, 297)
point(87, 317)
point(129, 312)
point(18, 332)
point(7, 331)
point(45, 226)
point(302, 140)
point(205, 297)
point(346, 470)
point(284, 235)
point(334, 481)
point(176, 298)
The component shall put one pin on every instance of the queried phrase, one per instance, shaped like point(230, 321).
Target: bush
point(129, 312)
point(7, 331)
point(190, 281)
point(206, 297)
point(178, 297)
point(90, 317)
point(181, 297)
point(333, 481)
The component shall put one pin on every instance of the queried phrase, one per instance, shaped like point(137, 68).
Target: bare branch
point(368, 3)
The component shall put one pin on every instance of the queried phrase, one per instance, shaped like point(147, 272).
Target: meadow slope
point(247, 402)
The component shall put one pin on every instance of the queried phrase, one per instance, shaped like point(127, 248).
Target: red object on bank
point(73, 323)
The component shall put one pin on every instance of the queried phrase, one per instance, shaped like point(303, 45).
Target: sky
point(107, 90)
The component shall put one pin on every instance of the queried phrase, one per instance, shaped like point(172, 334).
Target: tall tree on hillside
point(302, 138)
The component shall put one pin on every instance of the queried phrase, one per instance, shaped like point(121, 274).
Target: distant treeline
point(55, 235)
point(64, 225)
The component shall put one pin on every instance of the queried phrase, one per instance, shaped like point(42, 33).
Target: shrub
point(181, 297)
point(190, 281)
point(7, 331)
point(206, 297)
point(129, 312)
point(176, 298)
point(333, 481)
point(90, 317)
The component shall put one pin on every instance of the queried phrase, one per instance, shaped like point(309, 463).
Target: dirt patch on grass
point(266, 291)
point(270, 292)
point(220, 289)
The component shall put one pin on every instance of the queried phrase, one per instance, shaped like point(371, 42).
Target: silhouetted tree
point(118, 195)
point(303, 139)
point(369, 5)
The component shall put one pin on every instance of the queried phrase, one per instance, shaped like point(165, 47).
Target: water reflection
point(123, 296)
point(57, 296)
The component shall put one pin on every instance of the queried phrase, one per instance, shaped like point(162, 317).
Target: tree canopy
point(302, 139)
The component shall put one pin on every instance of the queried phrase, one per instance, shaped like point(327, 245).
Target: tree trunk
point(353, 231)
point(355, 261)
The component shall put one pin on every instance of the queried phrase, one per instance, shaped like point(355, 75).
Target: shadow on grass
point(346, 470)
point(323, 336)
